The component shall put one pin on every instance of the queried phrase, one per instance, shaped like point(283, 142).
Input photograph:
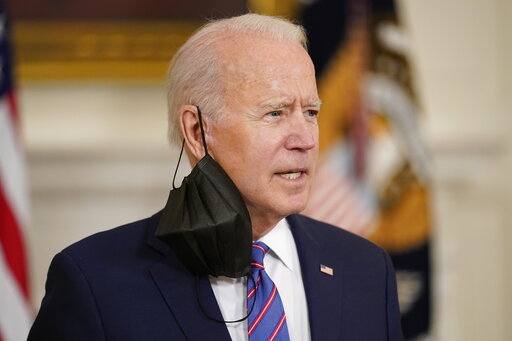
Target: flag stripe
point(15, 312)
point(12, 245)
point(12, 168)
point(324, 203)
point(13, 110)
point(335, 200)
point(324, 183)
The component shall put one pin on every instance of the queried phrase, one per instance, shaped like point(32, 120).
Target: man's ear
point(189, 121)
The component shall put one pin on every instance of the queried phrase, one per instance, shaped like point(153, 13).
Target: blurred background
point(416, 146)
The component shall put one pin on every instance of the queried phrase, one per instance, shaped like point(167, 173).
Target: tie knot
point(259, 250)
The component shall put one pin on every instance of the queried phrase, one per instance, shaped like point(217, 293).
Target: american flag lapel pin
point(326, 270)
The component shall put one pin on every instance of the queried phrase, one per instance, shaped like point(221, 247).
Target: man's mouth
point(290, 175)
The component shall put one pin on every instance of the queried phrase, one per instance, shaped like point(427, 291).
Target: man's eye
point(312, 113)
point(274, 114)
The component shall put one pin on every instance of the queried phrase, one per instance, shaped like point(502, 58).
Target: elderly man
point(254, 83)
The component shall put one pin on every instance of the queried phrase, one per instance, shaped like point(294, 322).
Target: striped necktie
point(267, 320)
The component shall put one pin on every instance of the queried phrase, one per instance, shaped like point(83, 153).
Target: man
point(255, 84)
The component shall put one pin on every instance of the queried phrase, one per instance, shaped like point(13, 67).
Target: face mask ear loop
point(179, 159)
point(183, 145)
point(224, 321)
point(202, 130)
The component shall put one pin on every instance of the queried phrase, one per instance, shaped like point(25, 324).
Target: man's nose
point(302, 133)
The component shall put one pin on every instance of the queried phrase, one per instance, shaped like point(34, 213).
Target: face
point(267, 137)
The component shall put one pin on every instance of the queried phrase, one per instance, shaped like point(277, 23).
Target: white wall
point(78, 135)
point(461, 50)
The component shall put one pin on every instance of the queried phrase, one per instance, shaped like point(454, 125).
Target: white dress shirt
point(283, 266)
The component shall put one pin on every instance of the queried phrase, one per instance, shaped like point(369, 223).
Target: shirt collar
point(280, 241)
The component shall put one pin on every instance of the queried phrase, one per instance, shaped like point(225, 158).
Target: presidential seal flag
point(15, 310)
point(373, 173)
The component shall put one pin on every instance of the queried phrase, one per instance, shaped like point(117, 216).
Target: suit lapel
point(323, 292)
point(178, 288)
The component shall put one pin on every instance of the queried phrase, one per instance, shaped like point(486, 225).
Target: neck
point(261, 227)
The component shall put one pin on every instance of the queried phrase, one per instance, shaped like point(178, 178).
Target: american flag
point(337, 197)
point(15, 309)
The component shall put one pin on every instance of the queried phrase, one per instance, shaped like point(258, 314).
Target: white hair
point(194, 72)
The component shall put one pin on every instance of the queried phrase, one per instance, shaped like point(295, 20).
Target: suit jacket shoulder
point(122, 240)
point(356, 299)
point(123, 284)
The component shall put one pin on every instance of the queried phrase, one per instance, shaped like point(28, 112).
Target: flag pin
point(326, 270)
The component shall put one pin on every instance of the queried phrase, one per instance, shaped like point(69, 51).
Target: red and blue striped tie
point(267, 320)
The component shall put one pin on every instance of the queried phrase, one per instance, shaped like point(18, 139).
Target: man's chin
point(293, 209)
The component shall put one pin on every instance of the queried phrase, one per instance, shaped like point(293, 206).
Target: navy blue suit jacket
point(125, 284)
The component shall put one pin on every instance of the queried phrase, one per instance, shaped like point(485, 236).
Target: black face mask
point(206, 222)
